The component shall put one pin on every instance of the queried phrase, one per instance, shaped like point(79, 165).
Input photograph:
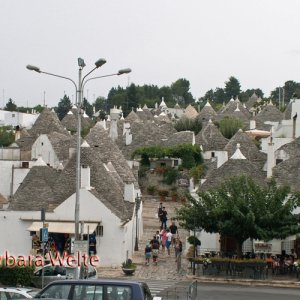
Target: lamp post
point(282, 96)
point(137, 207)
point(79, 92)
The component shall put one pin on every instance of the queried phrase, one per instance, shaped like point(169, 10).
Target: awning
point(63, 227)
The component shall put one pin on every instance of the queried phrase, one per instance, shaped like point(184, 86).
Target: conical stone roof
point(287, 173)
point(36, 191)
point(47, 122)
point(210, 138)
point(269, 113)
point(190, 112)
point(132, 117)
point(233, 168)
point(207, 113)
point(247, 147)
point(99, 138)
point(292, 149)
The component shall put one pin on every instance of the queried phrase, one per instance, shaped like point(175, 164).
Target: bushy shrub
point(151, 189)
point(193, 240)
point(170, 176)
point(14, 276)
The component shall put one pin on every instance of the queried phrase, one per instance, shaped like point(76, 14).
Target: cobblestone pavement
point(166, 269)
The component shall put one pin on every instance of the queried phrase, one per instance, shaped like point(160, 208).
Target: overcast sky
point(204, 41)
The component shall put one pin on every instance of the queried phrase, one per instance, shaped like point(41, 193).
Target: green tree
point(39, 108)
point(209, 95)
point(242, 209)
point(288, 90)
point(88, 108)
point(10, 105)
point(180, 90)
point(219, 95)
point(64, 105)
point(232, 88)
point(6, 136)
point(244, 96)
point(132, 99)
point(166, 92)
point(185, 124)
point(117, 97)
point(229, 126)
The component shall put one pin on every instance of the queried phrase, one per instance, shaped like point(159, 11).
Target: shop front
point(61, 237)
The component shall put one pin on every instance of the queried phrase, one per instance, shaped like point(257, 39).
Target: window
point(60, 291)
point(278, 161)
point(13, 115)
point(25, 164)
point(99, 230)
point(213, 154)
point(42, 143)
point(147, 292)
point(176, 162)
point(119, 292)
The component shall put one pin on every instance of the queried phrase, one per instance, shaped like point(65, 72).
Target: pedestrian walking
point(174, 230)
point(160, 212)
point(158, 237)
point(178, 248)
point(163, 234)
point(164, 218)
point(148, 251)
point(169, 241)
point(155, 248)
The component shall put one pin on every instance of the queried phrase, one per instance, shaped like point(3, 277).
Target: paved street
point(237, 292)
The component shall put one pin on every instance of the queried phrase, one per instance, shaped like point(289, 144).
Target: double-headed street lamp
point(79, 92)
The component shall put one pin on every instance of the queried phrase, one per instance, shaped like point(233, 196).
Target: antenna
point(3, 92)
point(128, 81)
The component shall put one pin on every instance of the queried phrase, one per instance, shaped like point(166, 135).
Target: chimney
point(294, 125)
point(85, 177)
point(252, 124)
point(113, 132)
point(17, 133)
point(270, 158)
point(71, 152)
point(129, 192)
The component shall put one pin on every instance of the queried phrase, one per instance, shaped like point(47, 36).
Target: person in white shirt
point(169, 241)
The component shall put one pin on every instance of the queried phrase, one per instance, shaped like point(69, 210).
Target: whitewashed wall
point(17, 118)
point(42, 147)
point(14, 236)
point(116, 240)
point(6, 176)
point(12, 153)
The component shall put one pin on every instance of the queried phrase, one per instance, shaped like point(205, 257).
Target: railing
point(181, 292)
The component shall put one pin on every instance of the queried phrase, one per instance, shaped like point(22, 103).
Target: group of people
point(163, 239)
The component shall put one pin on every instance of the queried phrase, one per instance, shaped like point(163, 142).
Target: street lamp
point(100, 62)
point(137, 207)
point(120, 72)
point(79, 92)
point(282, 96)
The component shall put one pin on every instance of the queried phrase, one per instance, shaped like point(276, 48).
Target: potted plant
point(174, 194)
point(151, 189)
point(163, 194)
point(128, 267)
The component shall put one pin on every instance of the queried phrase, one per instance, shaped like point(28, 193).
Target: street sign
point(81, 246)
point(44, 235)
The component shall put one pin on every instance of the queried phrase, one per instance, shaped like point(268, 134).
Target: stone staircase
point(166, 269)
point(151, 224)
